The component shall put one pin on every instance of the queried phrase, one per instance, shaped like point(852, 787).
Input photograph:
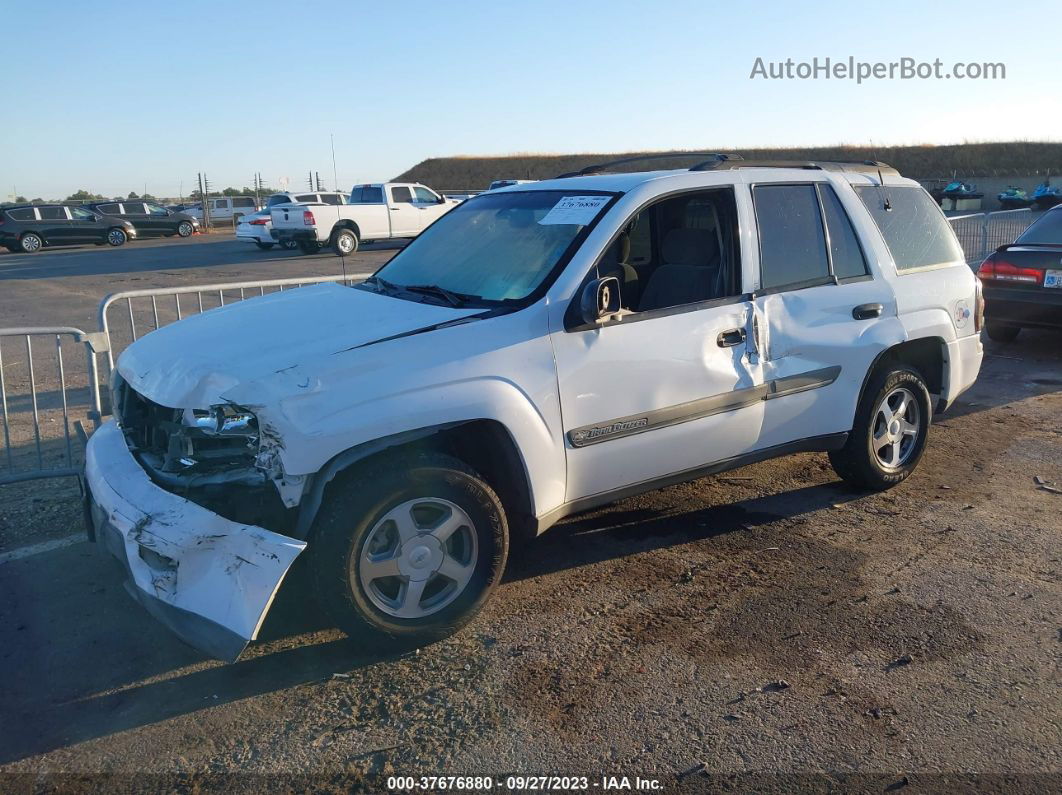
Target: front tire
point(346, 242)
point(408, 552)
point(30, 243)
point(890, 430)
point(117, 237)
point(263, 246)
point(999, 332)
point(185, 229)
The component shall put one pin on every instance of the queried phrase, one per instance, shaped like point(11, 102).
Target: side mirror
point(600, 299)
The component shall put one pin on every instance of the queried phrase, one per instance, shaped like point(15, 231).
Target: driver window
point(681, 250)
point(424, 195)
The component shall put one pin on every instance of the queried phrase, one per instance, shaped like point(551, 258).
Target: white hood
point(192, 363)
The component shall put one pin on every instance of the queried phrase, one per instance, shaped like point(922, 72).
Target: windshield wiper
point(383, 283)
point(454, 299)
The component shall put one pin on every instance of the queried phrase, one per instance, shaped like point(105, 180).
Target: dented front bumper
point(209, 579)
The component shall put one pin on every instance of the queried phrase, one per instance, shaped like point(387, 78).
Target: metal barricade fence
point(982, 233)
point(40, 403)
point(45, 403)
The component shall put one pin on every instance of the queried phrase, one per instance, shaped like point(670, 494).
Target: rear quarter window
point(25, 214)
point(109, 209)
point(915, 230)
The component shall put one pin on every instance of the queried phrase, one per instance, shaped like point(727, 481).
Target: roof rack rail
point(872, 167)
point(713, 157)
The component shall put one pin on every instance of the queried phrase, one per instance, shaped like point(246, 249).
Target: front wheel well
point(486, 446)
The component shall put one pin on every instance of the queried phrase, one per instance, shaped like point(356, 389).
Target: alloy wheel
point(897, 423)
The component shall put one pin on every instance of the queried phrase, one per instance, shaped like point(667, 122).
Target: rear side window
point(401, 194)
point(52, 213)
point(109, 209)
point(133, 208)
point(792, 243)
point(367, 194)
point(915, 230)
point(331, 198)
point(1048, 229)
point(25, 214)
point(845, 252)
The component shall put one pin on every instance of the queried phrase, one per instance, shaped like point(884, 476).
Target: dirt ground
point(767, 629)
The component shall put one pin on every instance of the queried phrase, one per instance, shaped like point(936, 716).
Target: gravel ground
point(766, 629)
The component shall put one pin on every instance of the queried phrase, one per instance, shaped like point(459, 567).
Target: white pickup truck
point(374, 212)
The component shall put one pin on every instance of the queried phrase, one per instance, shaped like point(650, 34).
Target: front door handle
point(730, 337)
point(867, 311)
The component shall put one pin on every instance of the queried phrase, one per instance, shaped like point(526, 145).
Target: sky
point(114, 97)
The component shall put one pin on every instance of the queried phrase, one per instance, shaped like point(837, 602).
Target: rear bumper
point(307, 235)
point(208, 579)
point(254, 233)
point(1040, 308)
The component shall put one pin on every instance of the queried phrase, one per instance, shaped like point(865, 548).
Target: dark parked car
point(1023, 280)
point(28, 228)
point(149, 219)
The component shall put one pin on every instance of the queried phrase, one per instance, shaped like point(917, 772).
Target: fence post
point(984, 235)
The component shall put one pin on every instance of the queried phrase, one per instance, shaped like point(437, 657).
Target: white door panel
point(811, 334)
point(645, 399)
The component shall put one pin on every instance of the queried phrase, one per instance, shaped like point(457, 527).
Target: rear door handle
point(730, 337)
point(867, 311)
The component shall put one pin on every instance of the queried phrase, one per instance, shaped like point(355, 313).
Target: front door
point(825, 314)
point(673, 384)
point(85, 227)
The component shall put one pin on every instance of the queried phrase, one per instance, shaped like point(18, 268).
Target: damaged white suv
point(537, 351)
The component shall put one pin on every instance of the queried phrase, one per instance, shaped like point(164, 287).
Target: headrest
point(690, 247)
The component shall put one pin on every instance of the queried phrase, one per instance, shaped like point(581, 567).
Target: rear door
point(56, 226)
point(370, 212)
point(220, 209)
point(136, 213)
point(404, 215)
point(823, 314)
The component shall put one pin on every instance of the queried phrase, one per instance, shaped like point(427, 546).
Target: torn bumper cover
point(209, 579)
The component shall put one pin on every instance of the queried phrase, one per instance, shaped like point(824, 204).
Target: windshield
point(1048, 229)
point(496, 247)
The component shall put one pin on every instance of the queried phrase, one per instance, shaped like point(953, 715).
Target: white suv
point(539, 350)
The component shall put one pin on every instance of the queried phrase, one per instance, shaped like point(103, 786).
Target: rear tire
point(890, 430)
point(263, 246)
point(1000, 332)
point(419, 518)
point(30, 243)
point(345, 243)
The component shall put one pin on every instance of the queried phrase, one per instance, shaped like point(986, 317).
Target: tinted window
point(154, 209)
point(133, 208)
point(401, 194)
point(845, 252)
point(792, 244)
point(367, 194)
point(109, 209)
point(25, 214)
point(915, 230)
point(331, 198)
point(81, 214)
point(425, 195)
point(52, 213)
point(306, 197)
point(280, 199)
point(243, 202)
point(1046, 230)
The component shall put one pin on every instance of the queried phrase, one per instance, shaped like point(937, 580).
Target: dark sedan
point(29, 228)
point(148, 218)
point(1023, 280)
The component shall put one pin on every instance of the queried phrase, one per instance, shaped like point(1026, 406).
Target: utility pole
point(257, 188)
point(204, 191)
point(310, 180)
point(318, 175)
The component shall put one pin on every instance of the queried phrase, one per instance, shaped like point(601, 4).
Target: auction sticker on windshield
point(575, 210)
